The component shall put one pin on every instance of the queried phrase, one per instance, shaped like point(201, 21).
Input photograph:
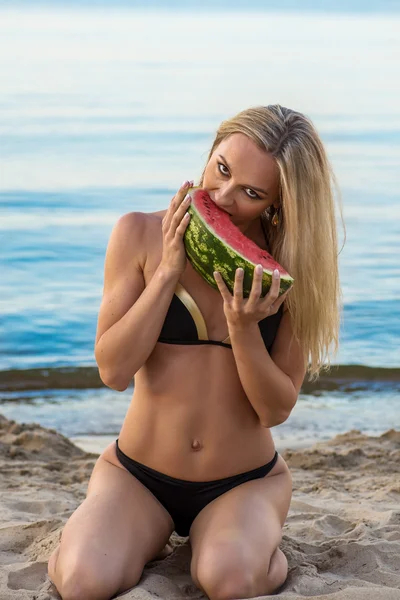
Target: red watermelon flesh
point(213, 242)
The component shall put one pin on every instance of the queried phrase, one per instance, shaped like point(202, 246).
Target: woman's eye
point(222, 166)
point(225, 172)
point(251, 194)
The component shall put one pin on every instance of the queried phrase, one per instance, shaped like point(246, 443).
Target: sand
point(341, 538)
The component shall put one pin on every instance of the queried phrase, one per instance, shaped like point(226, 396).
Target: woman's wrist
point(166, 276)
point(242, 329)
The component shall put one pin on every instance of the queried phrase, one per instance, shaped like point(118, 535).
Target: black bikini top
point(184, 323)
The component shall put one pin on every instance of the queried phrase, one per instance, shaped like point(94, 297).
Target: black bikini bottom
point(185, 499)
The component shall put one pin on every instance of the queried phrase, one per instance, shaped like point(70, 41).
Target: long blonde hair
point(305, 240)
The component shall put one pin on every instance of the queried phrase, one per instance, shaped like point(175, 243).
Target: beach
point(105, 111)
point(341, 537)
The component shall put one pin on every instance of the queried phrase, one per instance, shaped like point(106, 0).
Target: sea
point(107, 109)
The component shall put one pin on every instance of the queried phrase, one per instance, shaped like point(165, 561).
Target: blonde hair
point(305, 240)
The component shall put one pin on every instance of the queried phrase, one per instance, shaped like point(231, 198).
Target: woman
point(195, 452)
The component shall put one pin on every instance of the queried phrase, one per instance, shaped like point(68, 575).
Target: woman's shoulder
point(137, 235)
point(139, 223)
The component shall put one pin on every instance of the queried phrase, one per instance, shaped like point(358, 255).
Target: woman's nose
point(223, 198)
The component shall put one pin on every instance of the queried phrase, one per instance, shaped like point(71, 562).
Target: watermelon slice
point(214, 243)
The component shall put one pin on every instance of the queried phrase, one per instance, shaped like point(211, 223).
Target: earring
point(275, 218)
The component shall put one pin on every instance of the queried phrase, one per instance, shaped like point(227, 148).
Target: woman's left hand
point(241, 312)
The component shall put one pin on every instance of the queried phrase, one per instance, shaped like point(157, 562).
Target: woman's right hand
point(174, 226)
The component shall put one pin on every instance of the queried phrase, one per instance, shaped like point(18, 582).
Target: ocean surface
point(107, 111)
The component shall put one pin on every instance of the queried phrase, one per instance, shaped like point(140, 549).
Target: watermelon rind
point(207, 253)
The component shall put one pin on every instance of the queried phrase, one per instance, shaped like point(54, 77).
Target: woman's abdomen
point(189, 417)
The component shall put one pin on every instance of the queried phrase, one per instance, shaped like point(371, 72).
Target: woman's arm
point(270, 382)
point(131, 315)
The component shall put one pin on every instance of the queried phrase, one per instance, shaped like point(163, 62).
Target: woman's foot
point(166, 551)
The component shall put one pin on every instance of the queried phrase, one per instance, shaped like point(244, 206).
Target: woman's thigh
point(118, 528)
point(234, 538)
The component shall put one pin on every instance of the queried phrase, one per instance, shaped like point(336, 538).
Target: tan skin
point(174, 421)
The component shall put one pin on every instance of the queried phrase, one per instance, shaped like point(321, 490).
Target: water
point(92, 418)
point(104, 112)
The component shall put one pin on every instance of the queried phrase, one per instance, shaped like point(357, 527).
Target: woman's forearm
point(269, 390)
point(124, 348)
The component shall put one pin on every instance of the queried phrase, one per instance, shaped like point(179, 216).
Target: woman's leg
point(107, 541)
point(235, 539)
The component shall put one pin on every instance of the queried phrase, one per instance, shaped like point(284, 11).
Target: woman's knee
point(278, 570)
point(74, 589)
point(224, 579)
point(222, 576)
point(90, 582)
point(78, 576)
point(51, 565)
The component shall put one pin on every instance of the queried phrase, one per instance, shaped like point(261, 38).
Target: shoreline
point(345, 377)
point(95, 444)
point(341, 537)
